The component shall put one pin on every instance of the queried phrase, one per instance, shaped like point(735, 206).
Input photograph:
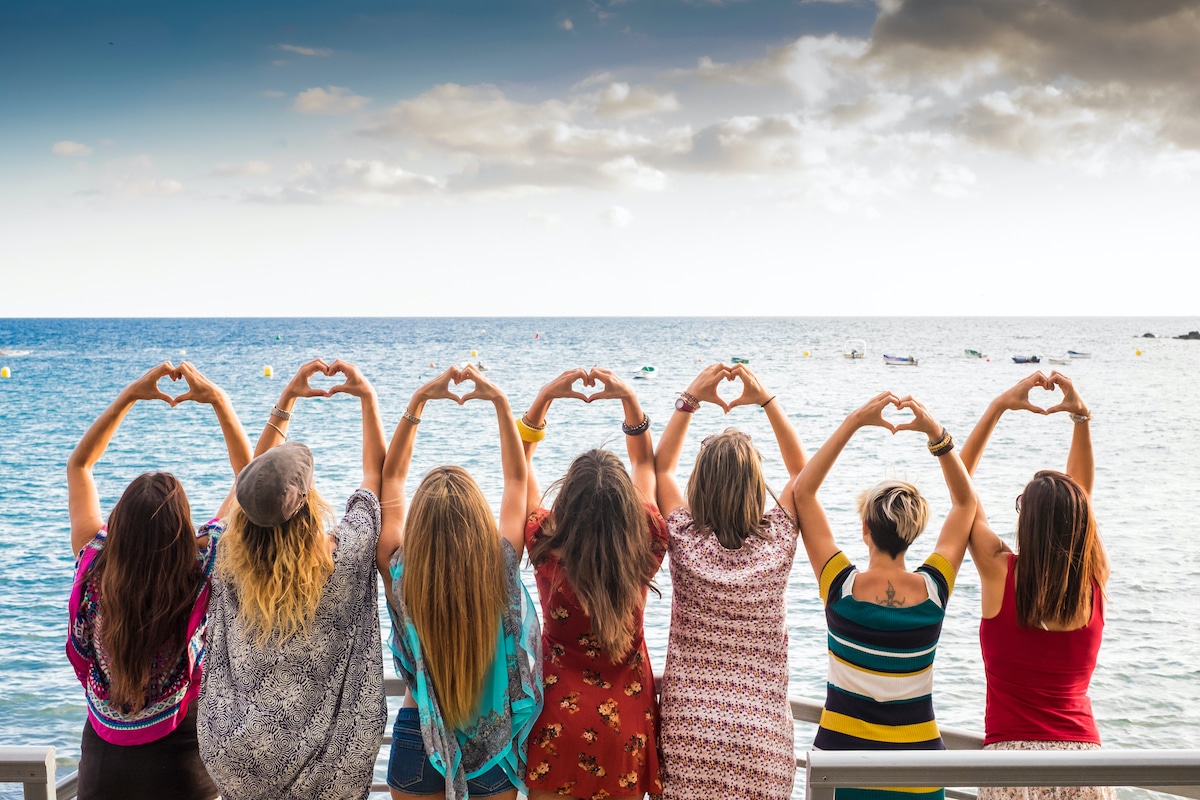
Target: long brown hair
point(453, 586)
point(149, 579)
point(280, 572)
point(1060, 553)
point(597, 529)
point(726, 492)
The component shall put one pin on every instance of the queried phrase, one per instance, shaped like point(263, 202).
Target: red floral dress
point(597, 736)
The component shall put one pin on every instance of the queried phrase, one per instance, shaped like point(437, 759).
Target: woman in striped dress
point(884, 621)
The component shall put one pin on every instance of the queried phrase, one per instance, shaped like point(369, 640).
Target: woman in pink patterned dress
point(726, 725)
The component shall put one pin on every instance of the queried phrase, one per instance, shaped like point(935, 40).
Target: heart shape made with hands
point(1045, 397)
point(173, 376)
point(893, 415)
point(459, 387)
point(323, 381)
point(728, 396)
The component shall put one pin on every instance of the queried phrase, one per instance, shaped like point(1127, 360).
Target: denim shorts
point(411, 771)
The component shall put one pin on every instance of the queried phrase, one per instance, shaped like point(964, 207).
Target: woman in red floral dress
point(595, 555)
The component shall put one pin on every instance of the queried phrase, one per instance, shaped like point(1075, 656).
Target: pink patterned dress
point(726, 725)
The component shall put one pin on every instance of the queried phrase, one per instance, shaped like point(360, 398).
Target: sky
point(599, 157)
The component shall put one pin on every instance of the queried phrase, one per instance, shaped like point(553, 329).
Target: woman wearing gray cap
point(292, 704)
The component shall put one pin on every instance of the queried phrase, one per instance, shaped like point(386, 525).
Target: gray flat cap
point(273, 487)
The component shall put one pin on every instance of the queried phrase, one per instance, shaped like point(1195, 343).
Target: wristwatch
point(684, 406)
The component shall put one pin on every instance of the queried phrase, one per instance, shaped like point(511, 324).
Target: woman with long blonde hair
point(465, 634)
point(1043, 606)
point(136, 644)
point(292, 704)
point(595, 554)
point(726, 723)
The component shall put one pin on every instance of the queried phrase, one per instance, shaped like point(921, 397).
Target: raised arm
point(373, 448)
point(666, 458)
point(952, 541)
point(237, 444)
point(512, 457)
point(1014, 399)
point(815, 532)
point(274, 433)
point(395, 470)
point(638, 443)
point(83, 501)
point(532, 427)
point(1081, 464)
point(790, 448)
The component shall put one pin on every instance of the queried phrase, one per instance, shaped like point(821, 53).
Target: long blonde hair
point(279, 572)
point(453, 586)
point(726, 492)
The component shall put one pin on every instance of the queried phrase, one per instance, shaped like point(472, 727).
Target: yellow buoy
point(5, 372)
point(473, 354)
point(1135, 352)
point(268, 371)
point(806, 354)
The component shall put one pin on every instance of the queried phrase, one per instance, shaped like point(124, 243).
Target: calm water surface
point(1146, 690)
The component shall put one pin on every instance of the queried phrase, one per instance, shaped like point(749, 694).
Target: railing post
point(33, 767)
point(816, 789)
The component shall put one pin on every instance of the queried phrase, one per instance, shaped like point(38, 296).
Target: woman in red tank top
point(1043, 606)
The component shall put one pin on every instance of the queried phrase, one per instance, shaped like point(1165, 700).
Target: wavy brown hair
point(453, 586)
point(280, 571)
point(726, 492)
point(598, 531)
point(1060, 553)
point(148, 578)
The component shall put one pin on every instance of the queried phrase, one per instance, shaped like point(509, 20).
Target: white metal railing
point(1171, 771)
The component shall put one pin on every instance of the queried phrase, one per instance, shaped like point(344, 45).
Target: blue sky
point(987, 152)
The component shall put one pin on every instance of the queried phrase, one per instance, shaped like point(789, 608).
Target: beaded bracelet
point(1080, 418)
point(528, 432)
point(528, 424)
point(276, 411)
point(944, 446)
point(639, 429)
point(411, 417)
point(940, 441)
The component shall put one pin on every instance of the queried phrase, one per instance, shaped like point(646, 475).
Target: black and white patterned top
point(302, 719)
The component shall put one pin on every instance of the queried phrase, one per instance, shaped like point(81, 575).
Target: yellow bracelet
point(529, 434)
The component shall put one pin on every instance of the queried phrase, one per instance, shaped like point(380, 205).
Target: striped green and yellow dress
point(880, 690)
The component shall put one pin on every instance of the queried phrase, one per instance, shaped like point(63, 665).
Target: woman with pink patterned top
point(726, 725)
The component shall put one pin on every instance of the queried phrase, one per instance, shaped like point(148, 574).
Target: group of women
point(244, 658)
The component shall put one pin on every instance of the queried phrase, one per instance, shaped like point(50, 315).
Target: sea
point(1144, 395)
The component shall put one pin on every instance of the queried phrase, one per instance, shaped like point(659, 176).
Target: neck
point(881, 561)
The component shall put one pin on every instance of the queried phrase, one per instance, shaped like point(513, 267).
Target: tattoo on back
point(890, 601)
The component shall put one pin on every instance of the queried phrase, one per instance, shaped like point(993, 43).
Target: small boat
point(1026, 360)
point(1077, 354)
point(1059, 359)
point(482, 367)
point(899, 361)
point(973, 353)
point(855, 349)
point(645, 373)
point(740, 360)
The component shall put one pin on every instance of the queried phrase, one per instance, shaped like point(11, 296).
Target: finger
point(339, 389)
point(174, 401)
point(904, 426)
point(883, 423)
point(1057, 408)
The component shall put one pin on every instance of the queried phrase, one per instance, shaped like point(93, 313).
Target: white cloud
point(626, 172)
point(620, 101)
point(71, 149)
point(149, 187)
point(330, 100)
point(544, 220)
point(566, 24)
point(320, 52)
point(617, 217)
point(347, 181)
point(274, 93)
point(953, 180)
point(243, 170)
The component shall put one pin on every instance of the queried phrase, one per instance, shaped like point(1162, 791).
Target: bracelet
point(413, 418)
point(690, 399)
point(530, 425)
point(639, 429)
point(276, 427)
point(943, 437)
point(276, 411)
point(529, 433)
point(1078, 418)
point(764, 405)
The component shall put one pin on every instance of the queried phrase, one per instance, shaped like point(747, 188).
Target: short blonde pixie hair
point(895, 513)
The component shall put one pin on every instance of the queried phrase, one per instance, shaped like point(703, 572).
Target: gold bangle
point(528, 433)
point(279, 429)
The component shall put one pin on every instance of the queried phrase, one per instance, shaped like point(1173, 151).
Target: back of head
point(726, 492)
point(1060, 553)
point(453, 586)
point(598, 531)
point(895, 514)
point(275, 551)
point(148, 578)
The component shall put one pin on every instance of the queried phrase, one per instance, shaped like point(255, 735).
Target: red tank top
point(1037, 680)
